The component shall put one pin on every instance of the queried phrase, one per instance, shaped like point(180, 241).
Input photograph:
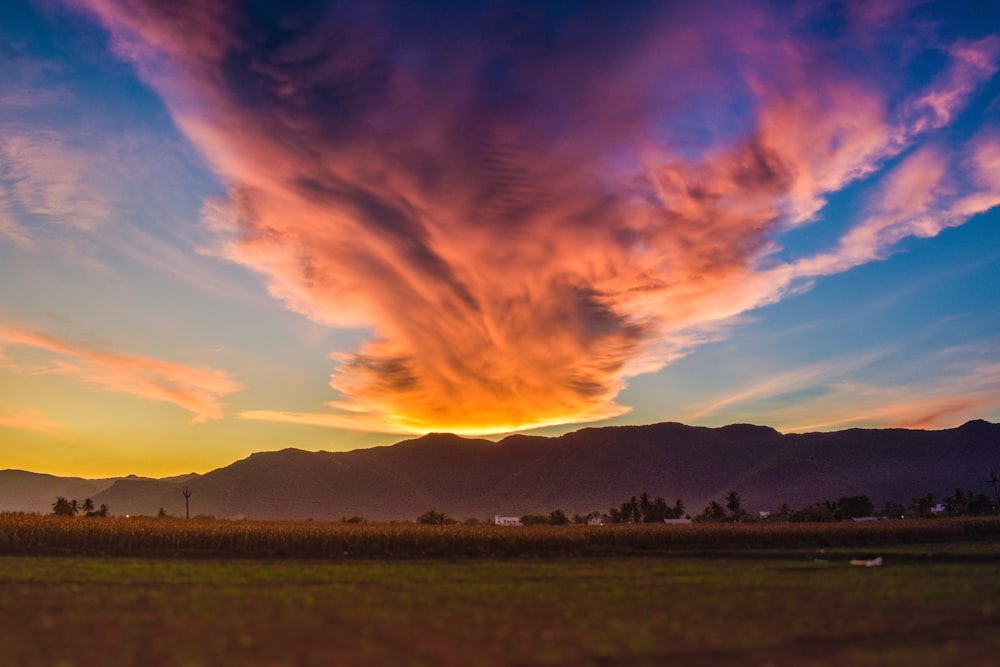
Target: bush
point(430, 517)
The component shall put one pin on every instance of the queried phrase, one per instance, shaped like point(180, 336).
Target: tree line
point(642, 508)
point(63, 507)
point(959, 503)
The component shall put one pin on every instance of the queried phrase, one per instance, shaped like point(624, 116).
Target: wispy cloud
point(970, 63)
point(28, 420)
point(198, 390)
point(45, 177)
point(523, 222)
point(839, 394)
point(799, 379)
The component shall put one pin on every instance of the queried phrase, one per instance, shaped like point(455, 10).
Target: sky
point(230, 226)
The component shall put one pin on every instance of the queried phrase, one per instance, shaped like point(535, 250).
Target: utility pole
point(187, 505)
point(996, 496)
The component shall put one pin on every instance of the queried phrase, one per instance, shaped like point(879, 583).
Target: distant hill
point(24, 491)
point(590, 469)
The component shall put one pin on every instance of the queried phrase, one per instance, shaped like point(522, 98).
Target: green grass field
point(930, 604)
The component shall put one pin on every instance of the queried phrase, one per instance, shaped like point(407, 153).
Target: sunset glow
point(227, 227)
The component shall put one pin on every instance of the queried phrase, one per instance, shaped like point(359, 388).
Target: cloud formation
point(838, 394)
point(198, 390)
point(28, 420)
point(527, 206)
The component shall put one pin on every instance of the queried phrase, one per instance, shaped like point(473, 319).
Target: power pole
point(187, 505)
point(996, 496)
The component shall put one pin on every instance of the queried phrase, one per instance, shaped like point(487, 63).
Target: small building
point(506, 520)
point(676, 522)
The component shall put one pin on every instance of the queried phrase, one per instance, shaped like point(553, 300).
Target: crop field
point(81, 593)
point(33, 534)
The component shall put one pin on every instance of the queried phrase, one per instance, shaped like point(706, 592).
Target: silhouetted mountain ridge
point(585, 470)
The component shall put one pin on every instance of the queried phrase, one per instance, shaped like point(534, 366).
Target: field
point(734, 595)
point(32, 534)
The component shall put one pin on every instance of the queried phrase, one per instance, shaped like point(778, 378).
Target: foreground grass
point(32, 534)
point(774, 609)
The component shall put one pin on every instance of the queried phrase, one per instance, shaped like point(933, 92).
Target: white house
point(676, 522)
point(506, 520)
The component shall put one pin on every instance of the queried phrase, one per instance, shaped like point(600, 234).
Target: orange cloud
point(522, 230)
point(195, 389)
point(28, 420)
point(928, 412)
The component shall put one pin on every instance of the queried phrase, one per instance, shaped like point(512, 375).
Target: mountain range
point(586, 470)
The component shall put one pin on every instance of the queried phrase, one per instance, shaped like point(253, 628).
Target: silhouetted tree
point(678, 509)
point(656, 511)
point(713, 512)
point(641, 509)
point(645, 506)
point(968, 503)
point(995, 481)
point(850, 507)
point(733, 505)
point(631, 511)
point(923, 506)
point(89, 511)
point(431, 517)
point(63, 507)
point(980, 504)
point(817, 512)
point(893, 510)
point(558, 518)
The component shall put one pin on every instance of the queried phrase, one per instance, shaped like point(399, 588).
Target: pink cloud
point(521, 238)
point(970, 65)
point(921, 197)
point(195, 389)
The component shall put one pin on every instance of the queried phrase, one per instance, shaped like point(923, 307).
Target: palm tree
point(62, 507)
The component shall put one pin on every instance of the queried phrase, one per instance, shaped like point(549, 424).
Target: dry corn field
point(27, 534)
